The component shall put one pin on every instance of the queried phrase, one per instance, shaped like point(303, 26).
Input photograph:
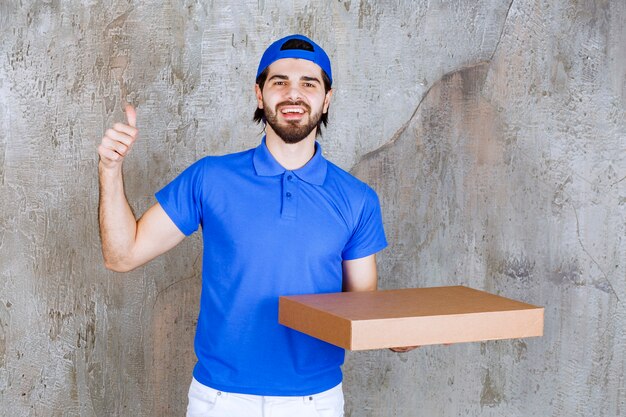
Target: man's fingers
point(129, 130)
point(118, 141)
point(131, 115)
point(115, 146)
point(402, 349)
point(118, 136)
point(106, 153)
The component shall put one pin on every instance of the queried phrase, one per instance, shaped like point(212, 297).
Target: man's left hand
point(403, 349)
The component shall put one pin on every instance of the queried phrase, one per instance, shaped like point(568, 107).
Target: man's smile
point(290, 111)
point(285, 110)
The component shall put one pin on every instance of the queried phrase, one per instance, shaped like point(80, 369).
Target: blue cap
point(275, 52)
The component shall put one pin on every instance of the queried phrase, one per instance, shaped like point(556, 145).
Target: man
point(276, 220)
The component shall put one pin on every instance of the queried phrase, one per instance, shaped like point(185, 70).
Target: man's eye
point(279, 83)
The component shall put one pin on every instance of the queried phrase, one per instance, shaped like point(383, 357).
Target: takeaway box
point(409, 317)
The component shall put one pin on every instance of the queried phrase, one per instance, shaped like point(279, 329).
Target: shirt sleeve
point(181, 199)
point(369, 234)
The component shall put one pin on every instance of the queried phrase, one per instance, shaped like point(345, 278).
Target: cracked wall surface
point(493, 131)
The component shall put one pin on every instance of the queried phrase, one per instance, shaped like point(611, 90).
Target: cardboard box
point(409, 317)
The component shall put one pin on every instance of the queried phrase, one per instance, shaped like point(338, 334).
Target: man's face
point(293, 98)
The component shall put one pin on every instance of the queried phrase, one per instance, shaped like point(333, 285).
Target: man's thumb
point(131, 115)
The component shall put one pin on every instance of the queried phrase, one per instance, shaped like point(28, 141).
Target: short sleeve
point(181, 199)
point(369, 235)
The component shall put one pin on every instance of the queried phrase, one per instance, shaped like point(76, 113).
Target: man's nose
point(294, 93)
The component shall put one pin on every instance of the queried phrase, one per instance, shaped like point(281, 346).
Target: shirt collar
point(313, 172)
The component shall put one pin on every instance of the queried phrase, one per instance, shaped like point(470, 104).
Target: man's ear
point(259, 96)
point(327, 98)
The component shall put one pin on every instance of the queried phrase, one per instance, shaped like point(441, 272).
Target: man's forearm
point(118, 226)
point(126, 242)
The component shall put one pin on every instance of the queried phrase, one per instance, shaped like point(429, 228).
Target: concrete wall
point(494, 132)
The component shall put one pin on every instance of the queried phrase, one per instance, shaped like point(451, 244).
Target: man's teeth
point(293, 111)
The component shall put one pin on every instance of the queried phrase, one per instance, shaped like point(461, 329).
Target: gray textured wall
point(493, 131)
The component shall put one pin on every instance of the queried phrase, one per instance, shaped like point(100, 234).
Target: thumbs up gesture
point(118, 140)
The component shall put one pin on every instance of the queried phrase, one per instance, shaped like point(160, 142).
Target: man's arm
point(126, 242)
point(360, 274)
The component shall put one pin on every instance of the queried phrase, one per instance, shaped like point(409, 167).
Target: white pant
point(208, 402)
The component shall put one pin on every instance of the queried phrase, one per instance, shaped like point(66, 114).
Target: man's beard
point(293, 131)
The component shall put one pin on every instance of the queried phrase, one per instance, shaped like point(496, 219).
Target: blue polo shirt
point(269, 232)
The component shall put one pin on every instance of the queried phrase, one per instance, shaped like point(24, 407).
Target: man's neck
point(290, 155)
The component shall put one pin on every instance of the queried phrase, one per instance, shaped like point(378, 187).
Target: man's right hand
point(118, 140)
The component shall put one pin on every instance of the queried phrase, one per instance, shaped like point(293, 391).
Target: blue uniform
point(269, 232)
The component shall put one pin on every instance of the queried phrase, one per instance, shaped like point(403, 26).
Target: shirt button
point(288, 195)
point(289, 177)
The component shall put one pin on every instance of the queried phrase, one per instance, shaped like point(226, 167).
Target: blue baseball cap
point(278, 51)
